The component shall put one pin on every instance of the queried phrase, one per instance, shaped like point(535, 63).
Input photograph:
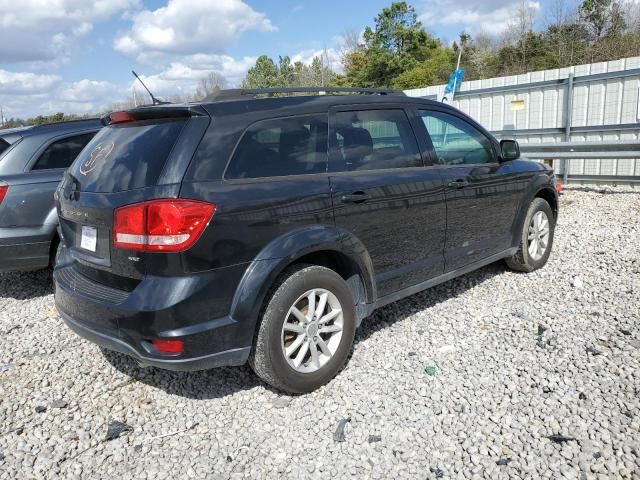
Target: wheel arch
point(319, 245)
point(549, 195)
point(540, 187)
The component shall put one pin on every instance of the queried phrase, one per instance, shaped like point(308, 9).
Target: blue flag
point(454, 79)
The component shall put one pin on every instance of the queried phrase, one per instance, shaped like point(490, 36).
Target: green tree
point(397, 43)
point(398, 31)
point(264, 74)
point(432, 71)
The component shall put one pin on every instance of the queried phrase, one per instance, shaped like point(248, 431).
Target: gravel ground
point(495, 375)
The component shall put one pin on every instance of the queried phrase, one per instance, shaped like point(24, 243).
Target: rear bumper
point(194, 308)
point(25, 248)
point(233, 357)
point(24, 256)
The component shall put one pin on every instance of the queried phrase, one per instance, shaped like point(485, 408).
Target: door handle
point(458, 184)
point(355, 197)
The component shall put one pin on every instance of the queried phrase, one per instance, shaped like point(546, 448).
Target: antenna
point(153, 99)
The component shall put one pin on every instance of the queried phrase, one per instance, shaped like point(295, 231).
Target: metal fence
point(574, 118)
point(561, 154)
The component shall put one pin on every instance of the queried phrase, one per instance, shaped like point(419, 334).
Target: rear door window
point(126, 156)
point(61, 153)
point(375, 140)
point(281, 147)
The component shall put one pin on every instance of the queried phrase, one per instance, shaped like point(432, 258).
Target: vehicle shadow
point(221, 382)
point(26, 285)
point(405, 308)
point(602, 191)
point(201, 385)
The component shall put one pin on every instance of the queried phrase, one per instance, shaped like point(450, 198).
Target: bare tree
point(517, 33)
point(213, 82)
point(348, 47)
point(479, 55)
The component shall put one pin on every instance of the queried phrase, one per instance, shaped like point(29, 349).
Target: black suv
point(32, 162)
point(264, 228)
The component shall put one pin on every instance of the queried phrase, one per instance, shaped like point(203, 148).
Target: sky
point(76, 56)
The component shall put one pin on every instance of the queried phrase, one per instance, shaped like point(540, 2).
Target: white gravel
point(518, 358)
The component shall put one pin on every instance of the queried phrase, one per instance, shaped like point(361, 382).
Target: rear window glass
point(61, 153)
point(280, 147)
point(127, 156)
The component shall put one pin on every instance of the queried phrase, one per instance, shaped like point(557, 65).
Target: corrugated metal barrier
point(596, 104)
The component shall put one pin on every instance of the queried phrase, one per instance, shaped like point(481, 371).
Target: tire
point(524, 260)
point(268, 357)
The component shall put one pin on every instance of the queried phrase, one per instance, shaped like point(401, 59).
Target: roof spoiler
point(153, 113)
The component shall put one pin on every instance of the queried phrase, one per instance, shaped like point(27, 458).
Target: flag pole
point(455, 79)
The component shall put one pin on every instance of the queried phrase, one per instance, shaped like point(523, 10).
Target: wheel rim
point(538, 238)
point(312, 330)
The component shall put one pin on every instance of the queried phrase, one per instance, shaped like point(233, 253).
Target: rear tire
point(317, 307)
point(536, 238)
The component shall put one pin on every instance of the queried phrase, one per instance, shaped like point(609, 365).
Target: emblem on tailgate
point(99, 153)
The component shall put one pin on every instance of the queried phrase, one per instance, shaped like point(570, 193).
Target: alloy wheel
point(312, 330)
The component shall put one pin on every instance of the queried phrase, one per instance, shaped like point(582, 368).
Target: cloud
point(26, 94)
point(26, 82)
point(88, 91)
point(48, 31)
point(492, 16)
point(189, 27)
point(182, 77)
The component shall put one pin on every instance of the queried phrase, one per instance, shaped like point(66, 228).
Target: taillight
point(120, 117)
point(170, 225)
point(3, 191)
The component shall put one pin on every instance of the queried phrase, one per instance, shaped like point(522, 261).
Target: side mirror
point(510, 150)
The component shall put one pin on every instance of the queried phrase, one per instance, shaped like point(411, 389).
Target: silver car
point(32, 163)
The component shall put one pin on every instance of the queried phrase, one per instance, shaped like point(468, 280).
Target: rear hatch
point(140, 155)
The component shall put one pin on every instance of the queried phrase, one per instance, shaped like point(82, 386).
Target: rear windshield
point(126, 156)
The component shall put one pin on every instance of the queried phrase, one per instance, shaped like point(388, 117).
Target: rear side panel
point(252, 213)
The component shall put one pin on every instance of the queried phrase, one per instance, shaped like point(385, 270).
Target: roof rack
point(252, 92)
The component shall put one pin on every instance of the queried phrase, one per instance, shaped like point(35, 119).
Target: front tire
point(307, 330)
point(536, 238)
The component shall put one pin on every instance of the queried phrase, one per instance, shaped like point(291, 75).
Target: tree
point(397, 43)
point(604, 17)
point(433, 71)
point(210, 84)
point(264, 74)
point(398, 31)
